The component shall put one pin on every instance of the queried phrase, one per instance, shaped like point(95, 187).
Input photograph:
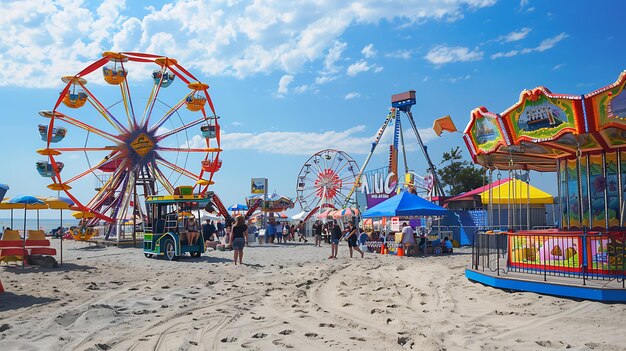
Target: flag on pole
point(443, 123)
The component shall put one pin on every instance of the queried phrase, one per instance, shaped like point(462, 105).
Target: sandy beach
point(286, 297)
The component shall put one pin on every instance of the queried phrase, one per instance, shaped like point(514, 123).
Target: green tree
point(457, 175)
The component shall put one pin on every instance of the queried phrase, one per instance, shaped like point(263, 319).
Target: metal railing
point(551, 254)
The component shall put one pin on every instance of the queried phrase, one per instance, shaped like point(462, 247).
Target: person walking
point(239, 238)
point(301, 232)
point(408, 238)
point(352, 237)
point(335, 236)
point(317, 230)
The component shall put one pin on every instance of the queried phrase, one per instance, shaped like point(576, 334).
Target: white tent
point(204, 215)
point(299, 216)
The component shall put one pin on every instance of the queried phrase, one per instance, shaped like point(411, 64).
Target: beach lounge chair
point(11, 247)
point(37, 244)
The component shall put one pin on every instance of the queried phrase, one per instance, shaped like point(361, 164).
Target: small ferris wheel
point(325, 179)
point(130, 144)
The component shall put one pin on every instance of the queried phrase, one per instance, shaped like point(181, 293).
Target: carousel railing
point(552, 254)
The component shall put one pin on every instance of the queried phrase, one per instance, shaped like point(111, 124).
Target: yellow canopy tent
point(516, 191)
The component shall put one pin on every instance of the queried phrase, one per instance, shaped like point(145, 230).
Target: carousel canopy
point(543, 127)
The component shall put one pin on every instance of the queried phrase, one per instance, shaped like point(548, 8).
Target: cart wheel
point(170, 249)
point(437, 250)
point(148, 255)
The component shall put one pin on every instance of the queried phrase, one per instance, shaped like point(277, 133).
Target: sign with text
point(258, 186)
point(378, 185)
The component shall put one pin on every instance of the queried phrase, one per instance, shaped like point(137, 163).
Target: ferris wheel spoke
point(162, 179)
point(156, 88)
point(88, 171)
point(169, 113)
point(86, 127)
point(177, 169)
point(97, 105)
point(108, 189)
point(182, 149)
point(181, 128)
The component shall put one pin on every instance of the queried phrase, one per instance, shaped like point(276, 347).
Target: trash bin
point(251, 238)
point(261, 236)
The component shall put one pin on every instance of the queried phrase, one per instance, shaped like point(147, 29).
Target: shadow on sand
point(11, 301)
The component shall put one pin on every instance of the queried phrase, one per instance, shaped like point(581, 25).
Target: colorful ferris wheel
point(133, 134)
point(325, 179)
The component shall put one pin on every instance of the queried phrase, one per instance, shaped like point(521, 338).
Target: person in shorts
point(335, 236)
point(317, 229)
point(239, 238)
point(351, 238)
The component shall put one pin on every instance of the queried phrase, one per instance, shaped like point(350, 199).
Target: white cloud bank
point(442, 54)
point(306, 143)
point(43, 40)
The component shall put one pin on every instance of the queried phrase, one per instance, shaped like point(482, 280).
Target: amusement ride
point(582, 139)
point(429, 184)
point(324, 180)
point(134, 147)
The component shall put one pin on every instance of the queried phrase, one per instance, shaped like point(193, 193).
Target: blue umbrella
point(27, 201)
point(238, 207)
point(405, 204)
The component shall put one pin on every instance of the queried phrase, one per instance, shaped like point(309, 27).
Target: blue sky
point(292, 78)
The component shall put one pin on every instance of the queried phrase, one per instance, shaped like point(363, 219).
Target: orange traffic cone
point(400, 251)
point(383, 249)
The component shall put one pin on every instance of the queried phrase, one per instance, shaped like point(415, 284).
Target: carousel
point(582, 138)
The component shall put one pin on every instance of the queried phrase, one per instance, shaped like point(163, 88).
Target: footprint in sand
point(358, 338)
point(229, 339)
point(376, 310)
point(286, 332)
point(329, 325)
point(311, 335)
point(259, 335)
point(257, 318)
point(280, 343)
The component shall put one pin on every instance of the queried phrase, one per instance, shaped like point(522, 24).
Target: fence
point(551, 254)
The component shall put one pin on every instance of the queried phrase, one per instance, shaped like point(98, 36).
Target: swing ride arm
point(431, 166)
point(357, 181)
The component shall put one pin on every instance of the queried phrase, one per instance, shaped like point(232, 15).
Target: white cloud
point(558, 66)
point(357, 68)
point(283, 84)
point(44, 40)
point(549, 43)
point(545, 45)
point(522, 4)
point(350, 140)
point(369, 51)
point(441, 55)
point(515, 36)
point(401, 54)
point(352, 95)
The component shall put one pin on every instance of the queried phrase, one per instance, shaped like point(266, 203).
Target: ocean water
point(31, 223)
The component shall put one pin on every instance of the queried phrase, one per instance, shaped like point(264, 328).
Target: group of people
point(350, 234)
point(283, 232)
point(408, 239)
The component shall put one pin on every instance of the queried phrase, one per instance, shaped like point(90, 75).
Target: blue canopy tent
point(405, 204)
point(238, 207)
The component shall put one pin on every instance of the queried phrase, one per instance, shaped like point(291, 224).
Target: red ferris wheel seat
point(211, 166)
